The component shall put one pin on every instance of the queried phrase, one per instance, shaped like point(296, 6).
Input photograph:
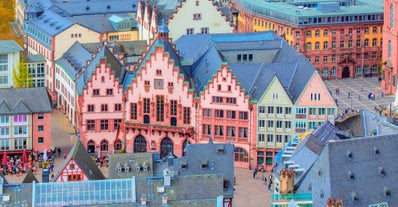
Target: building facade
point(25, 123)
point(190, 17)
point(390, 42)
point(251, 89)
point(341, 39)
point(36, 65)
point(10, 53)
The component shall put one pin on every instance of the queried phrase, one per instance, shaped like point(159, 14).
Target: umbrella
point(45, 155)
point(5, 161)
point(24, 157)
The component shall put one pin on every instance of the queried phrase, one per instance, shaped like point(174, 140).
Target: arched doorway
point(147, 119)
point(173, 121)
point(186, 142)
point(346, 72)
point(140, 144)
point(166, 146)
point(91, 147)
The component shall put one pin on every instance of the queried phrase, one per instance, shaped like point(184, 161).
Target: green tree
point(21, 76)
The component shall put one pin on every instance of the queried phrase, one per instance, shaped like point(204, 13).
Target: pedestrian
point(337, 91)
point(359, 97)
point(349, 94)
point(382, 94)
point(361, 87)
point(254, 173)
point(65, 155)
point(59, 151)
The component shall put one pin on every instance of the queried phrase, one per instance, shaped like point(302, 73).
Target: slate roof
point(366, 124)
point(131, 161)
point(74, 60)
point(205, 53)
point(51, 23)
point(9, 46)
point(92, 7)
point(37, 58)
point(81, 157)
point(24, 101)
point(29, 178)
point(307, 151)
point(361, 171)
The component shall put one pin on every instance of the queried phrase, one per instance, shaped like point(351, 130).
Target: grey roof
point(132, 162)
point(37, 58)
point(9, 46)
point(74, 60)
point(24, 101)
point(307, 151)
point(50, 23)
point(98, 22)
point(79, 8)
point(30, 177)
point(202, 55)
point(362, 168)
point(366, 123)
point(81, 157)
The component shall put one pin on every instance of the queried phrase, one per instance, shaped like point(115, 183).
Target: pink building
point(390, 44)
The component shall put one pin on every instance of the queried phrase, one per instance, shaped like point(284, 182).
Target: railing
point(303, 199)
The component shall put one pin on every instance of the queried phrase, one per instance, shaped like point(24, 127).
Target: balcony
point(182, 130)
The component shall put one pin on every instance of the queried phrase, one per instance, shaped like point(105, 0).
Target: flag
point(150, 128)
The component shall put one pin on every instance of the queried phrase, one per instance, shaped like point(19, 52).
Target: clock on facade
point(158, 83)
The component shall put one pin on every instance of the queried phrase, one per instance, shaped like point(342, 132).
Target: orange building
point(341, 39)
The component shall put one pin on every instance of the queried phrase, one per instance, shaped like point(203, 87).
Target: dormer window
point(204, 164)
point(184, 166)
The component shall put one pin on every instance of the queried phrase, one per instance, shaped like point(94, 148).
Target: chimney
point(143, 200)
point(334, 202)
point(45, 176)
point(286, 182)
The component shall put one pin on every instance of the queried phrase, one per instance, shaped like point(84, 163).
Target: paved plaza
point(354, 93)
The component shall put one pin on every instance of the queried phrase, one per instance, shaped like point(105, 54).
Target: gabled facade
point(390, 44)
point(225, 114)
point(189, 17)
point(10, 53)
point(25, 120)
point(78, 166)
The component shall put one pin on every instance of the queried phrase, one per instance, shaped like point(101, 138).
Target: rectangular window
point(40, 128)
point(204, 30)
point(90, 108)
point(312, 110)
point(321, 111)
point(231, 131)
point(173, 108)
point(279, 124)
point(261, 109)
point(218, 130)
point(261, 123)
point(207, 112)
point(270, 137)
point(217, 99)
point(270, 109)
point(279, 138)
point(118, 107)
point(243, 115)
point(261, 137)
point(197, 16)
point(104, 107)
point(147, 105)
point(288, 110)
point(279, 110)
point(231, 114)
point(104, 124)
point(219, 113)
point(159, 108)
point(243, 132)
point(206, 129)
point(40, 140)
point(133, 113)
point(230, 100)
point(40, 116)
point(95, 92)
point(19, 118)
point(4, 131)
point(187, 115)
point(288, 124)
point(270, 123)
point(20, 130)
point(109, 91)
point(116, 123)
point(90, 125)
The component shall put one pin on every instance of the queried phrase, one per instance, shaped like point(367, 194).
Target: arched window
point(91, 146)
point(104, 145)
point(118, 145)
point(366, 43)
point(317, 46)
point(308, 47)
point(140, 144)
point(333, 71)
point(325, 45)
point(240, 155)
point(166, 146)
point(389, 49)
point(374, 42)
point(392, 16)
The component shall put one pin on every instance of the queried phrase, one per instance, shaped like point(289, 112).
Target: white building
point(9, 58)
